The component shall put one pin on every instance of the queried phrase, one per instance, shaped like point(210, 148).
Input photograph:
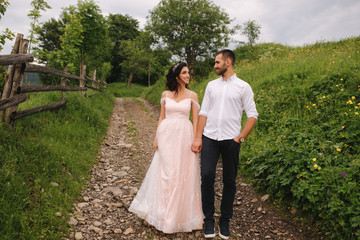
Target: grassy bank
point(45, 161)
point(305, 147)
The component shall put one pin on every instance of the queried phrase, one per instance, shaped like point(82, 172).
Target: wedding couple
point(172, 197)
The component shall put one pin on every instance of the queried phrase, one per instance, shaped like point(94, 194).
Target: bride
point(170, 197)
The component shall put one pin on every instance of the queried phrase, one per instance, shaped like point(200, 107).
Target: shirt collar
point(230, 78)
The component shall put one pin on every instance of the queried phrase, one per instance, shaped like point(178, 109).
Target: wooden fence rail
point(26, 89)
point(14, 94)
point(12, 59)
point(15, 100)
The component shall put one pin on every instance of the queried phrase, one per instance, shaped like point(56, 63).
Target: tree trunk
point(149, 69)
point(64, 80)
point(82, 74)
point(130, 79)
point(94, 79)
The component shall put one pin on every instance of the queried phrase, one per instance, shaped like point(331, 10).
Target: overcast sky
point(289, 22)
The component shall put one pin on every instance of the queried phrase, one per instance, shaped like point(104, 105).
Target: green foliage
point(305, 147)
point(120, 28)
point(71, 40)
point(34, 15)
point(137, 56)
point(153, 93)
point(48, 148)
point(7, 34)
point(49, 38)
point(190, 29)
point(121, 90)
point(3, 5)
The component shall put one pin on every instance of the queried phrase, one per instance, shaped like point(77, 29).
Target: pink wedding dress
point(169, 197)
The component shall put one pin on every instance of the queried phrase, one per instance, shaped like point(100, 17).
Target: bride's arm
point(194, 110)
point(161, 117)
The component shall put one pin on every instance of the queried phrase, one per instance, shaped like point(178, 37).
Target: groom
point(219, 133)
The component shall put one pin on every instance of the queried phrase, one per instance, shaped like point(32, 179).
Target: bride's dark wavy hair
point(174, 71)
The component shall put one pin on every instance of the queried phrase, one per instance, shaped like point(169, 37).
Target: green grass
point(307, 134)
point(51, 147)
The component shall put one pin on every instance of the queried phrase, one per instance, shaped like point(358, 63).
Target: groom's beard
point(221, 71)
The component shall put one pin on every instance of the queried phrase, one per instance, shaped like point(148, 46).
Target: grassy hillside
point(46, 159)
point(305, 147)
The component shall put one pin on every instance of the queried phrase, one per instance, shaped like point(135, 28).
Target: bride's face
point(184, 76)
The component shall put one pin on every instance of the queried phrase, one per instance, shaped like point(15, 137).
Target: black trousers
point(210, 153)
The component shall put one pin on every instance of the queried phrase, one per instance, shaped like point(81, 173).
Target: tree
point(94, 32)
point(252, 31)
point(48, 36)
point(7, 34)
point(120, 28)
point(137, 54)
point(191, 29)
point(34, 15)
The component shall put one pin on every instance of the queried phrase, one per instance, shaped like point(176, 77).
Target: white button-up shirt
point(223, 105)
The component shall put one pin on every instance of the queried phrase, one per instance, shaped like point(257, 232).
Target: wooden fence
point(14, 93)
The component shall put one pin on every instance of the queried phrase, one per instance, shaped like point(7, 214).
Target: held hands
point(196, 145)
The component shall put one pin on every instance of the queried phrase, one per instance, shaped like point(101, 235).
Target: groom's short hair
point(227, 53)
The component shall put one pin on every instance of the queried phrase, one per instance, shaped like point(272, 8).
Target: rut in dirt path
point(124, 158)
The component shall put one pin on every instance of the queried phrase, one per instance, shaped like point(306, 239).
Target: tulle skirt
point(169, 197)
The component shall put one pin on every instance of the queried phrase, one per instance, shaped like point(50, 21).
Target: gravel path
point(125, 156)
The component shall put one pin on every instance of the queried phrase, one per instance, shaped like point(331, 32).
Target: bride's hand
point(196, 146)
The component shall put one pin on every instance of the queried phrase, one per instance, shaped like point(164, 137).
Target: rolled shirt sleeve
point(205, 103)
point(249, 103)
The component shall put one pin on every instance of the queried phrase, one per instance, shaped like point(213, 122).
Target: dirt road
point(125, 155)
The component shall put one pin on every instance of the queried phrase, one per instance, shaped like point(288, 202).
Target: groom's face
point(220, 65)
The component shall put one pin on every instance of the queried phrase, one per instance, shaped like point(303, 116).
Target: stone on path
point(119, 174)
point(73, 221)
point(78, 236)
point(128, 231)
point(114, 190)
point(265, 197)
point(133, 191)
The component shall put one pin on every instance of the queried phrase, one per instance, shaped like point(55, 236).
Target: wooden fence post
point(64, 80)
point(17, 79)
point(10, 74)
point(93, 83)
point(82, 75)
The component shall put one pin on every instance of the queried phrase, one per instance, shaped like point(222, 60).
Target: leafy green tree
point(6, 34)
point(252, 31)
point(34, 15)
point(94, 32)
point(3, 5)
point(48, 36)
point(137, 55)
point(191, 29)
point(121, 27)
